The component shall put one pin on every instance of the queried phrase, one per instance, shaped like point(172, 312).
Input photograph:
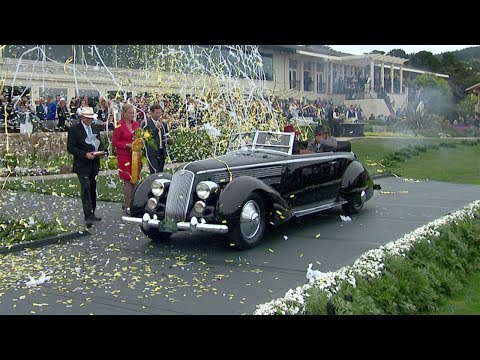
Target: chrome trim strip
point(282, 162)
point(318, 208)
point(211, 228)
point(182, 225)
point(184, 166)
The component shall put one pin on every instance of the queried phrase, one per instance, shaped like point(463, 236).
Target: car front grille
point(179, 195)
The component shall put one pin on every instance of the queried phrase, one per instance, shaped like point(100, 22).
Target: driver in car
point(322, 141)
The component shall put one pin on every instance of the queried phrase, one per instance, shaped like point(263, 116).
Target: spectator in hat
point(322, 142)
point(84, 144)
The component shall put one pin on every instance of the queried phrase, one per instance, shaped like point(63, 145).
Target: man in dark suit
point(159, 129)
point(85, 146)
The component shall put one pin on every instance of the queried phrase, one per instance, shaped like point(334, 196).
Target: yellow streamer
point(69, 60)
point(137, 146)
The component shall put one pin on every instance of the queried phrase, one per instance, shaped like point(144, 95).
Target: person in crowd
point(159, 129)
point(123, 135)
point(103, 115)
point(41, 109)
point(84, 144)
point(83, 103)
point(351, 114)
point(25, 117)
point(62, 114)
point(336, 122)
point(322, 142)
point(290, 128)
point(52, 108)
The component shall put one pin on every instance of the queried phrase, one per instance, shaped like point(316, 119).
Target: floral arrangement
point(368, 265)
point(141, 137)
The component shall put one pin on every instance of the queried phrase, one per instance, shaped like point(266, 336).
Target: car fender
point(142, 193)
point(355, 180)
point(232, 196)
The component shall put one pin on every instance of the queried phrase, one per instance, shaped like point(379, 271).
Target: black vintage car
point(256, 183)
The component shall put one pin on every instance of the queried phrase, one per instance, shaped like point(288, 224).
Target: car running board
point(311, 210)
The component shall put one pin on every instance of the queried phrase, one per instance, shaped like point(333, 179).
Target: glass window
point(292, 74)
point(53, 92)
point(267, 61)
point(307, 76)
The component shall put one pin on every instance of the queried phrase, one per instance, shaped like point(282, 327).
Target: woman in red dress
point(122, 141)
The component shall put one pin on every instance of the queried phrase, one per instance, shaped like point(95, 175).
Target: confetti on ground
point(345, 218)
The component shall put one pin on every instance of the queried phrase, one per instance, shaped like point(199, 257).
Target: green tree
point(425, 60)
point(377, 52)
point(462, 74)
point(467, 105)
point(398, 53)
point(436, 94)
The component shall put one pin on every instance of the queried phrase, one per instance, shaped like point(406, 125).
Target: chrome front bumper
point(194, 225)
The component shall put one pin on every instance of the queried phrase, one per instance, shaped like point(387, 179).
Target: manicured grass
point(466, 301)
point(458, 165)
point(371, 151)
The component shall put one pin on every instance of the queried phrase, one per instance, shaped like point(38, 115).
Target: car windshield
point(262, 141)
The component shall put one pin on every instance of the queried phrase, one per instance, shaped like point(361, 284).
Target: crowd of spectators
point(49, 113)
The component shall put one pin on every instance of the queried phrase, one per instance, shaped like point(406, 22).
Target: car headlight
point(152, 203)
point(199, 207)
point(159, 186)
point(205, 188)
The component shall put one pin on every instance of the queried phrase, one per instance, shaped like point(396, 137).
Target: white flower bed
point(370, 265)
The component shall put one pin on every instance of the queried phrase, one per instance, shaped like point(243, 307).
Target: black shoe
point(89, 223)
point(95, 218)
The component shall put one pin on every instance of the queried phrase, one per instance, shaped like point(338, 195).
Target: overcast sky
point(361, 49)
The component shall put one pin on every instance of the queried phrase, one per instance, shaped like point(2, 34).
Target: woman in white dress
point(25, 117)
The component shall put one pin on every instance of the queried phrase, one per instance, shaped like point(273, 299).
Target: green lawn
point(460, 164)
point(466, 301)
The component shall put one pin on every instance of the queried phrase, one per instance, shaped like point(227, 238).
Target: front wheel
point(251, 226)
point(156, 235)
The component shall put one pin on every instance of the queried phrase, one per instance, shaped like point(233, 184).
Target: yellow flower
point(147, 135)
point(137, 145)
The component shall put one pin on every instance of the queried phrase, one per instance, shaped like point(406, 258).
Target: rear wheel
point(355, 205)
point(352, 208)
point(251, 226)
point(156, 235)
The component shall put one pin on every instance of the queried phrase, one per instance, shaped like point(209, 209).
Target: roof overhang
point(474, 88)
point(368, 58)
point(309, 53)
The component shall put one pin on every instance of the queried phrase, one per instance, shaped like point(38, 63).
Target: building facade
point(289, 71)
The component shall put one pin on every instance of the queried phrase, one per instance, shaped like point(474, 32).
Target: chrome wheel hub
point(250, 219)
